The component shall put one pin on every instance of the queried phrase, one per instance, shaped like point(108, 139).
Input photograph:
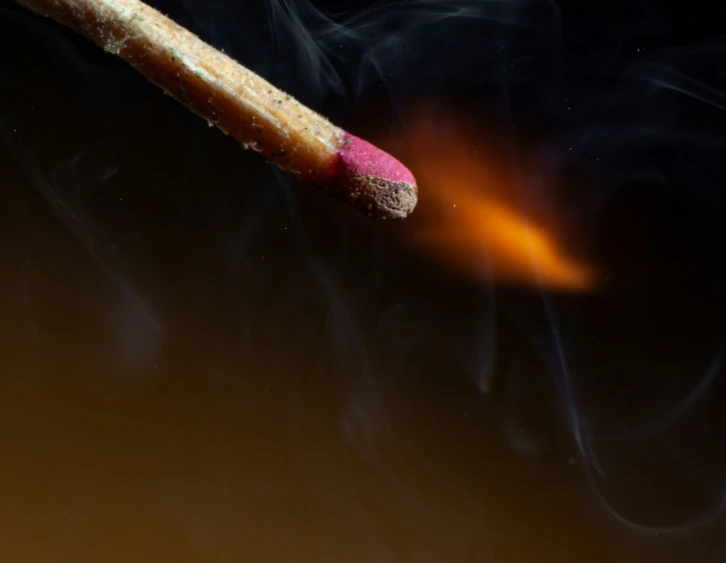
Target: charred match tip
point(373, 181)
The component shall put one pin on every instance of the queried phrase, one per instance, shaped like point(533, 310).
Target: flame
point(470, 221)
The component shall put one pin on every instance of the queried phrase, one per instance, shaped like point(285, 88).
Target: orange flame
point(469, 221)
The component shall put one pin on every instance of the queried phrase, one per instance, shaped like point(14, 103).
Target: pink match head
point(373, 181)
point(360, 158)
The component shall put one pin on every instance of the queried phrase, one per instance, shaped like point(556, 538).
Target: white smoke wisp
point(137, 326)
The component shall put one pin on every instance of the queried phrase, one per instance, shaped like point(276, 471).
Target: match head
point(373, 181)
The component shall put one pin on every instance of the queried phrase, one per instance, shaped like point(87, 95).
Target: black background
point(178, 315)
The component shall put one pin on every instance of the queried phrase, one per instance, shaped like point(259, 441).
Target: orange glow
point(468, 219)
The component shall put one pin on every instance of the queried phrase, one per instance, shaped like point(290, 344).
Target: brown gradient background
point(202, 361)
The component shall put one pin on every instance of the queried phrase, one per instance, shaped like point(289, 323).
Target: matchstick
point(241, 104)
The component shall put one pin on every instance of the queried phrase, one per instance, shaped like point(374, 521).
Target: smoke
point(655, 423)
point(662, 75)
point(398, 45)
point(658, 126)
point(138, 328)
point(391, 38)
point(363, 419)
point(621, 119)
point(619, 113)
point(318, 52)
point(77, 175)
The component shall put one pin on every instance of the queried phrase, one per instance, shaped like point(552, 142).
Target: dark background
point(203, 360)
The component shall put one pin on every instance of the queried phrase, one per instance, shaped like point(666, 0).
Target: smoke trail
point(607, 123)
point(65, 188)
point(649, 431)
point(363, 420)
point(393, 37)
point(660, 423)
point(346, 53)
point(599, 126)
point(320, 53)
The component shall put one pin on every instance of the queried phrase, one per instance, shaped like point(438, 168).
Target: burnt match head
point(373, 181)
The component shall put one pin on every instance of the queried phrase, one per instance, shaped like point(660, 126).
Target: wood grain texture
point(205, 80)
point(241, 103)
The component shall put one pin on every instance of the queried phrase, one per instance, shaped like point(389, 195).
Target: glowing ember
point(470, 221)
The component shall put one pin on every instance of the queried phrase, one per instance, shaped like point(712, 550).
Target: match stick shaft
point(239, 102)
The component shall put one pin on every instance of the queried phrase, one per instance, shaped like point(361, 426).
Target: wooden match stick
point(241, 104)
